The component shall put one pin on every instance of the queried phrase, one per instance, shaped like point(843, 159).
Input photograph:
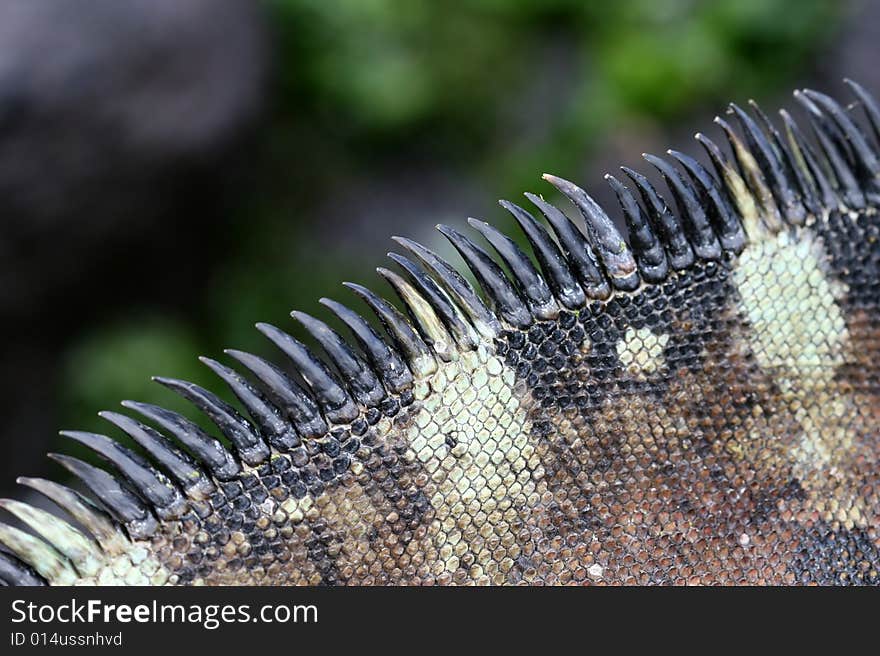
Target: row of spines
point(773, 181)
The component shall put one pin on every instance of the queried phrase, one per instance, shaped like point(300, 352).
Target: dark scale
point(373, 416)
point(186, 575)
point(249, 481)
point(543, 355)
point(834, 556)
point(387, 471)
point(318, 546)
point(299, 457)
point(232, 490)
point(307, 470)
point(853, 256)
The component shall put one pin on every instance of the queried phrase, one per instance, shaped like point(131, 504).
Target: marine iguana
point(698, 403)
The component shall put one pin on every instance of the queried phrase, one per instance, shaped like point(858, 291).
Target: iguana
point(697, 403)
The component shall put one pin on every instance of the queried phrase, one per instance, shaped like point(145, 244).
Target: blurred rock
point(118, 121)
point(855, 56)
point(102, 105)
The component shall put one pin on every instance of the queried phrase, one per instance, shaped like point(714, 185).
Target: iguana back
point(696, 403)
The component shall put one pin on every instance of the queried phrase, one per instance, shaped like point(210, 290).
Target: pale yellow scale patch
point(641, 351)
point(472, 435)
point(134, 567)
point(800, 337)
point(791, 302)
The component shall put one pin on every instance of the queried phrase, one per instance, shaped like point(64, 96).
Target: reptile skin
point(697, 403)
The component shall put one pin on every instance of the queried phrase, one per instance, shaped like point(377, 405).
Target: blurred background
point(172, 171)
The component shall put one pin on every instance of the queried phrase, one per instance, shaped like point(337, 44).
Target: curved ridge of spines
point(773, 179)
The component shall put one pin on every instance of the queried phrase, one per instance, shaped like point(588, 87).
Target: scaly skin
point(696, 404)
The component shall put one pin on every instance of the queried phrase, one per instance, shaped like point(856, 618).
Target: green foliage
point(100, 367)
point(392, 65)
point(454, 77)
